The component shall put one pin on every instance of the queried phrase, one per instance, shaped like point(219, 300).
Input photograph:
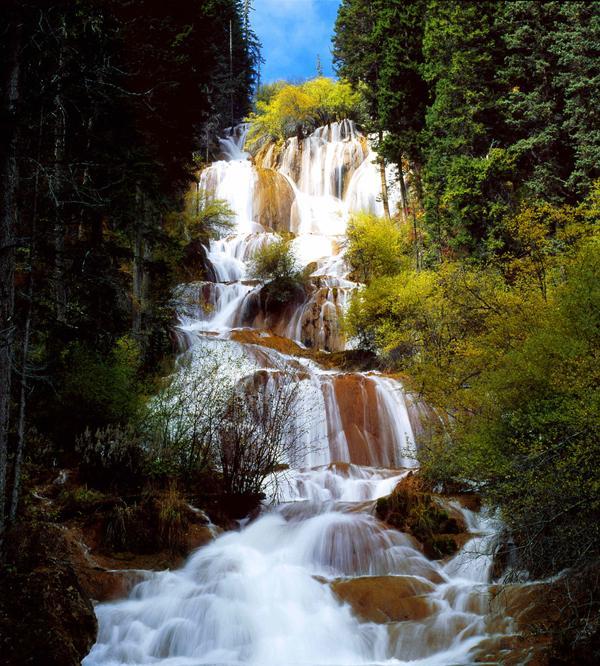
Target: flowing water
point(271, 593)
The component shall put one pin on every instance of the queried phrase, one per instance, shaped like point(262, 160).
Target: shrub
point(105, 388)
point(275, 264)
point(111, 457)
point(375, 247)
point(80, 501)
point(412, 509)
point(155, 523)
point(117, 534)
point(173, 521)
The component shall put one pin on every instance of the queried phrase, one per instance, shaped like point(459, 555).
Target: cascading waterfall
point(269, 594)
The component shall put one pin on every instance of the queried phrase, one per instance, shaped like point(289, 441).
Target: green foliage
point(488, 104)
point(274, 263)
point(411, 508)
point(79, 501)
point(106, 389)
point(508, 355)
point(180, 423)
point(374, 247)
point(551, 92)
point(289, 110)
point(111, 99)
point(160, 521)
point(188, 232)
point(377, 46)
point(267, 91)
point(173, 521)
point(533, 444)
point(465, 179)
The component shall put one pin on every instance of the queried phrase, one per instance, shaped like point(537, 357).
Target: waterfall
point(275, 592)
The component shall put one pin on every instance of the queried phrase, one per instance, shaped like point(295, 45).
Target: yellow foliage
point(297, 109)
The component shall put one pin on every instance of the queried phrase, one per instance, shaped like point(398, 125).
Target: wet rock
point(273, 199)
point(387, 598)
point(357, 402)
point(320, 319)
point(351, 360)
point(45, 615)
point(269, 340)
point(511, 651)
point(412, 508)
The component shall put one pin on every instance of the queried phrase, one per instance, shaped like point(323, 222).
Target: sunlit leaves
point(284, 110)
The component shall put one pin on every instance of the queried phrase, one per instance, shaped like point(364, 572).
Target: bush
point(412, 509)
point(173, 521)
point(275, 264)
point(181, 424)
point(188, 233)
point(80, 501)
point(375, 247)
point(157, 522)
point(111, 457)
point(105, 388)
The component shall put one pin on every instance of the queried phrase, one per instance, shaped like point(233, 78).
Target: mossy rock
point(412, 508)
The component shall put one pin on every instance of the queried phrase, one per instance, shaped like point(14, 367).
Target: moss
point(413, 509)
point(80, 501)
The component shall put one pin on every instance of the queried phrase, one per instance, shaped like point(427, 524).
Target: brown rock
point(412, 508)
point(387, 598)
point(511, 651)
point(273, 199)
point(45, 615)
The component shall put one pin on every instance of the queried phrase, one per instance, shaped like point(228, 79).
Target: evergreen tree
point(552, 91)
point(102, 106)
point(465, 176)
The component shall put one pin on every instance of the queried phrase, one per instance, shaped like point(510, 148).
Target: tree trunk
point(384, 191)
point(58, 230)
point(407, 211)
point(140, 277)
point(16, 487)
point(403, 194)
point(9, 180)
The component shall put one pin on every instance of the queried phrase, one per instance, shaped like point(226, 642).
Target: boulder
point(387, 598)
point(45, 615)
point(412, 508)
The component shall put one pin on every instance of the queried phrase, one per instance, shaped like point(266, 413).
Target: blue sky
point(292, 33)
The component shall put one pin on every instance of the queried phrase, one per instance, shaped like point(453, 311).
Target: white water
point(263, 595)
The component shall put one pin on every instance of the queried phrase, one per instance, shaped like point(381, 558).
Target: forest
point(471, 280)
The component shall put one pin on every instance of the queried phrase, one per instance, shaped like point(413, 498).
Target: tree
point(261, 430)
point(221, 413)
point(463, 167)
point(9, 183)
point(99, 155)
point(374, 247)
point(284, 110)
point(550, 103)
point(378, 47)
